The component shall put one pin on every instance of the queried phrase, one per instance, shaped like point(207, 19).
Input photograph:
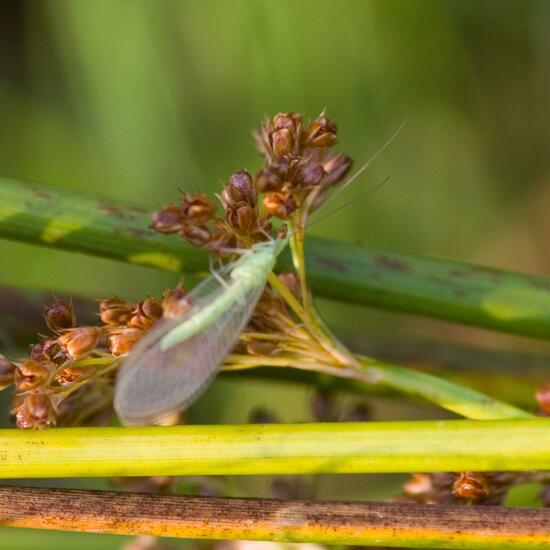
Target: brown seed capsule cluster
point(49, 382)
point(298, 172)
point(487, 488)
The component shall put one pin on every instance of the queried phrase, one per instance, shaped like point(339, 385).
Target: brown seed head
point(122, 340)
point(543, 398)
point(336, 167)
point(36, 411)
point(30, 374)
point(196, 235)
point(273, 176)
point(310, 175)
point(59, 316)
point(320, 133)
point(146, 314)
point(197, 209)
point(70, 375)
point(280, 204)
point(7, 372)
point(168, 220)
point(79, 342)
point(115, 312)
point(52, 351)
point(471, 486)
point(239, 189)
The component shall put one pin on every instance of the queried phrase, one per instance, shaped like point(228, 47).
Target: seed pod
point(279, 203)
point(59, 316)
point(53, 352)
point(336, 168)
point(310, 175)
point(30, 374)
point(239, 189)
point(36, 411)
point(7, 372)
point(196, 235)
point(168, 220)
point(121, 341)
point(70, 375)
point(320, 133)
point(197, 209)
point(543, 398)
point(146, 314)
point(79, 342)
point(114, 311)
point(471, 486)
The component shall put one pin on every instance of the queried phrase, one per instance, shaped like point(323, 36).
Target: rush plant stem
point(465, 293)
point(458, 399)
point(362, 447)
point(329, 522)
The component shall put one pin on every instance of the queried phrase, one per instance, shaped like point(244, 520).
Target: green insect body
point(171, 366)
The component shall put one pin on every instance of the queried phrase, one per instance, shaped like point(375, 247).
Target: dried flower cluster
point(488, 488)
point(68, 374)
point(298, 172)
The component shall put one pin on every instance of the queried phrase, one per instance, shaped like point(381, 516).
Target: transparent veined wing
point(153, 383)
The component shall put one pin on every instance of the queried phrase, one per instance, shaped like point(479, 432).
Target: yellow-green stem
point(364, 447)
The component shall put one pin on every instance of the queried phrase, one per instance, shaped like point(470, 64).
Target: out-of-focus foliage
point(137, 99)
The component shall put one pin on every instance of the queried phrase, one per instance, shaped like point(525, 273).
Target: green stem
point(458, 399)
point(455, 291)
point(369, 447)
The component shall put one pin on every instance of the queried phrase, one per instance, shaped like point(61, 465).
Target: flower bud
point(7, 372)
point(471, 486)
point(79, 342)
point(197, 209)
point(168, 220)
point(59, 316)
point(114, 311)
point(36, 411)
point(30, 374)
point(121, 341)
point(146, 314)
point(279, 203)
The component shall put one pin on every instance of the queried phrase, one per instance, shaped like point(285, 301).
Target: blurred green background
point(135, 99)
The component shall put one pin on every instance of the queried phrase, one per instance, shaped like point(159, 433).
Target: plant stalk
point(364, 447)
point(328, 522)
point(444, 289)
